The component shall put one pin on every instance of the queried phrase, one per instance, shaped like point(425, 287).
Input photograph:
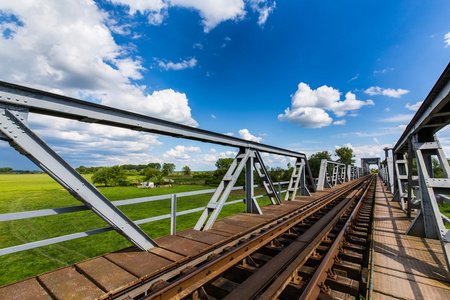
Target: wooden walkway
point(405, 267)
point(97, 276)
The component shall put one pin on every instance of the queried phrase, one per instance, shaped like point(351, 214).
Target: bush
point(110, 176)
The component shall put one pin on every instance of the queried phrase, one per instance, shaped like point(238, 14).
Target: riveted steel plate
point(180, 245)
point(24, 289)
point(138, 262)
point(67, 283)
point(201, 236)
point(105, 274)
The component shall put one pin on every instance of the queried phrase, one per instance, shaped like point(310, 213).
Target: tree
point(156, 166)
point(152, 175)
point(110, 176)
point(345, 155)
point(6, 170)
point(82, 170)
point(186, 170)
point(224, 163)
point(168, 168)
point(315, 160)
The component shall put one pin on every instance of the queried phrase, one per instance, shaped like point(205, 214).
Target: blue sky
point(303, 75)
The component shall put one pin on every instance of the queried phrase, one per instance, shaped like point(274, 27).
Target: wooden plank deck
point(99, 275)
point(405, 267)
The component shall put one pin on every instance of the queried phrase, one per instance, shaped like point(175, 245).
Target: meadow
point(24, 192)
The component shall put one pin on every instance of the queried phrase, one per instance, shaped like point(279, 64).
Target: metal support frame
point(29, 144)
point(331, 173)
point(21, 100)
point(429, 221)
point(248, 158)
point(401, 178)
point(298, 179)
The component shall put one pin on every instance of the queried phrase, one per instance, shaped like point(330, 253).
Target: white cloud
point(398, 118)
point(447, 39)
point(383, 71)
point(376, 140)
point(184, 64)
point(340, 122)
point(82, 140)
point(246, 135)
point(366, 151)
point(414, 107)
point(387, 109)
point(180, 152)
point(308, 107)
point(213, 116)
point(198, 46)
point(212, 12)
point(354, 78)
point(212, 158)
point(229, 133)
point(263, 8)
point(394, 93)
point(67, 47)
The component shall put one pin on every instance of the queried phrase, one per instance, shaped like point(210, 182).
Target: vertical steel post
point(173, 215)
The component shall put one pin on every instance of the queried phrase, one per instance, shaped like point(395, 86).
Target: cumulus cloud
point(366, 151)
point(398, 118)
point(263, 8)
point(93, 143)
point(414, 107)
point(308, 106)
point(212, 12)
point(340, 122)
point(212, 158)
point(67, 47)
point(246, 135)
point(394, 93)
point(447, 39)
point(180, 152)
point(184, 64)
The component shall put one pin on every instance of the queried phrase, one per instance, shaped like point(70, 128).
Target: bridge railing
point(73, 209)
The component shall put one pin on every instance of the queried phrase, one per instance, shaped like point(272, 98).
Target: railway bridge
point(346, 234)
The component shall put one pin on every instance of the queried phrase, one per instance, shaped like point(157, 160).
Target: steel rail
point(286, 276)
point(40, 102)
point(145, 283)
point(313, 289)
point(185, 285)
point(308, 241)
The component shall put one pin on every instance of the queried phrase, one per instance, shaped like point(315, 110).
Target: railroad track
point(314, 252)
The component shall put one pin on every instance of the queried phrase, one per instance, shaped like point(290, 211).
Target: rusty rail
point(191, 282)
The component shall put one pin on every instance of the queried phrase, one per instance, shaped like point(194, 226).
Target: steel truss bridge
point(328, 201)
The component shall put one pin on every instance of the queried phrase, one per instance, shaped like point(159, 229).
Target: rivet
point(15, 136)
point(17, 99)
point(9, 98)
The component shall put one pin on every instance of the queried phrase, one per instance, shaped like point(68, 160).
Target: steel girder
point(429, 221)
point(19, 136)
point(248, 158)
point(45, 103)
point(21, 100)
point(331, 173)
point(300, 176)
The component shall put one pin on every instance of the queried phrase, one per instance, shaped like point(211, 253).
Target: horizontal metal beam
point(435, 105)
point(46, 103)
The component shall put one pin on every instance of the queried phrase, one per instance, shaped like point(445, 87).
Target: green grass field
point(39, 191)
